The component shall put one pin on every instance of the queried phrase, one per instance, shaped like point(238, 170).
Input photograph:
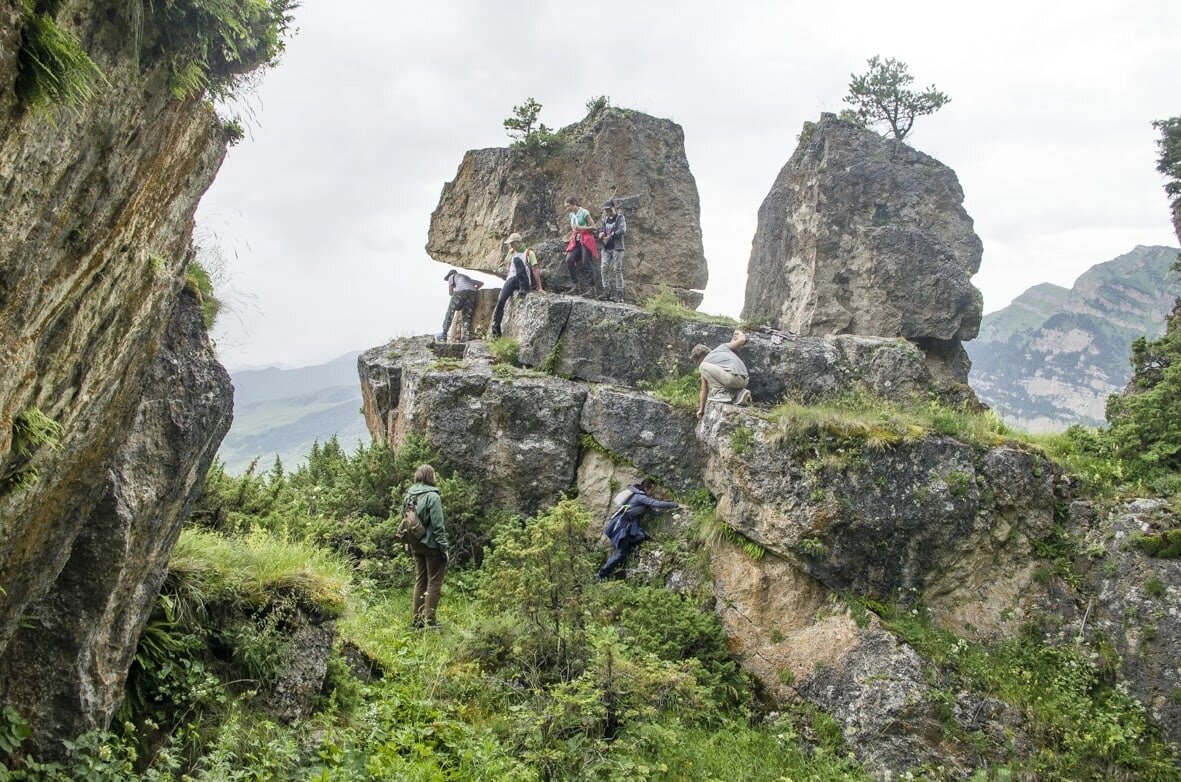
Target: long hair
point(425, 474)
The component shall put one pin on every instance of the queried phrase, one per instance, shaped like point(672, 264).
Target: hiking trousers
point(580, 265)
point(430, 565)
point(724, 385)
point(612, 273)
point(511, 286)
point(465, 303)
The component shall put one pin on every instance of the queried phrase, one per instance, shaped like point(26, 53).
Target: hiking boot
point(743, 397)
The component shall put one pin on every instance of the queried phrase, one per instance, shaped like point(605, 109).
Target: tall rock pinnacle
point(864, 235)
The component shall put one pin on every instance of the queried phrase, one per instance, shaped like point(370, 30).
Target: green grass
point(505, 350)
point(198, 281)
point(249, 570)
point(1087, 728)
point(666, 304)
point(682, 391)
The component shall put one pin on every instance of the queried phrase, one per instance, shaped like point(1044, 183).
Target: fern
point(53, 68)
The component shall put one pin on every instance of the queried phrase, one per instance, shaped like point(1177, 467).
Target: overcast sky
point(321, 213)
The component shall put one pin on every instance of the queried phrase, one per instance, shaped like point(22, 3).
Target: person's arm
point(654, 504)
point(451, 287)
point(620, 226)
point(701, 398)
point(738, 340)
point(438, 524)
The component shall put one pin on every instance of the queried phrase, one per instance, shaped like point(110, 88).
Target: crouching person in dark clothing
point(624, 529)
point(430, 554)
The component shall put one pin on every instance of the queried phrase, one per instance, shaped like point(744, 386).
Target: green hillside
point(282, 412)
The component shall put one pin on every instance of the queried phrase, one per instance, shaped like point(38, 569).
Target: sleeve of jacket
point(433, 510)
point(644, 499)
point(620, 226)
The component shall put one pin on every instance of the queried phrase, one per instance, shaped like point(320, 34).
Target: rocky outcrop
point(95, 226)
point(615, 343)
point(863, 235)
point(921, 519)
point(1052, 357)
point(1136, 605)
point(636, 158)
point(812, 524)
point(66, 670)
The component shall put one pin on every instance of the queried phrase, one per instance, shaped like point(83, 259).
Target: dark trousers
point(514, 285)
point(465, 303)
point(580, 265)
point(618, 557)
point(430, 565)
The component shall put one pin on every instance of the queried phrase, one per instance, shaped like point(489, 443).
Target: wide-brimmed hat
point(513, 237)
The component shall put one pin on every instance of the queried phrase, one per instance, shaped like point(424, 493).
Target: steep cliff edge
point(863, 235)
point(615, 153)
point(95, 226)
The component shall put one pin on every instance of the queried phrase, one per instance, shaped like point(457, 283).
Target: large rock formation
point(862, 235)
point(95, 228)
point(636, 158)
point(1052, 357)
point(919, 519)
point(66, 670)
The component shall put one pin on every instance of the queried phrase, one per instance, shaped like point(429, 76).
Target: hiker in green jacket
point(430, 554)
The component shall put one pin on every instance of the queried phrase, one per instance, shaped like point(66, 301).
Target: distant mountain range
point(1053, 356)
point(283, 411)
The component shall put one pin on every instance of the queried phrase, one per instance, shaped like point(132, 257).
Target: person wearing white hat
point(522, 276)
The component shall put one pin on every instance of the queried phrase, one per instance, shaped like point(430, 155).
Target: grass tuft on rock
point(249, 570)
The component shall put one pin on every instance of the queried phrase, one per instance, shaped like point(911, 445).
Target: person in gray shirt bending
point(462, 290)
point(723, 375)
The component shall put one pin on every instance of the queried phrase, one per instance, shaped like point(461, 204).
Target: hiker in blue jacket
point(623, 528)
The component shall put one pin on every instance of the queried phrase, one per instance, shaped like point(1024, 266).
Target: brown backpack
point(410, 529)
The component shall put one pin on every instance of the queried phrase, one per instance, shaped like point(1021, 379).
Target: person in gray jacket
point(430, 554)
point(611, 233)
point(723, 373)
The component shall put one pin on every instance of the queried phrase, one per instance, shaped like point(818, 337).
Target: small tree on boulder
point(524, 128)
point(883, 95)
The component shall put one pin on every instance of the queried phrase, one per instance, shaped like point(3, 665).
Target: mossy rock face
point(919, 518)
point(1136, 595)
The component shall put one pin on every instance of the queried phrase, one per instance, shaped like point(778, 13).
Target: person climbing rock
point(581, 249)
point(522, 275)
point(723, 375)
point(624, 528)
point(462, 290)
point(611, 233)
point(430, 553)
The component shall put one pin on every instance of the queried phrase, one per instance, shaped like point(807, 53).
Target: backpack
point(611, 526)
point(410, 529)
